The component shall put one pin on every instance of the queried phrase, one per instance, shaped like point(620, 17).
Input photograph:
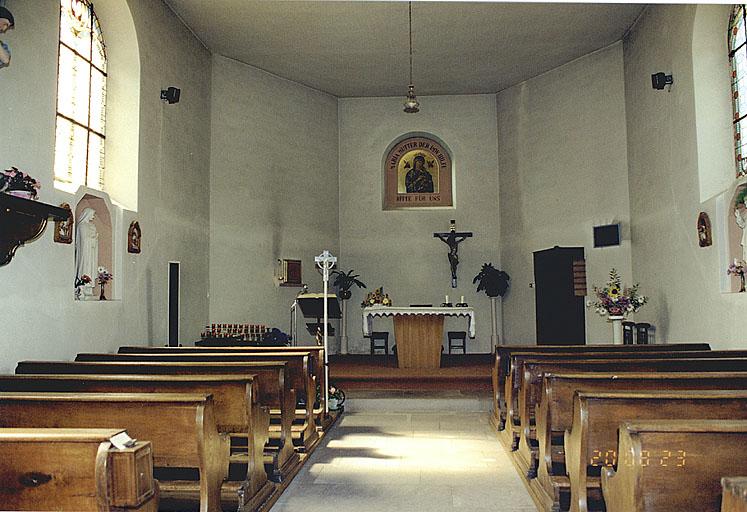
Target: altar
point(418, 331)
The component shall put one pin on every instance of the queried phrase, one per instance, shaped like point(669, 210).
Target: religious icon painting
point(134, 235)
point(418, 174)
point(63, 229)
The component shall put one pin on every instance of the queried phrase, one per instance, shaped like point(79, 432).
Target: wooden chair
point(457, 340)
point(383, 337)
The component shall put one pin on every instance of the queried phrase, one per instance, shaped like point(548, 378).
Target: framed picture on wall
point(418, 173)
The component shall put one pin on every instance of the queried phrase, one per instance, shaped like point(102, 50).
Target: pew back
point(734, 495)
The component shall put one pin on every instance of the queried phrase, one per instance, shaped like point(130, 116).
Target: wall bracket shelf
point(21, 221)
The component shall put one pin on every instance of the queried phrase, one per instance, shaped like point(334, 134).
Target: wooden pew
point(734, 495)
point(73, 470)
point(180, 427)
point(591, 444)
point(236, 409)
point(300, 373)
point(514, 381)
point(529, 384)
point(503, 353)
point(274, 391)
point(674, 466)
point(555, 416)
point(316, 352)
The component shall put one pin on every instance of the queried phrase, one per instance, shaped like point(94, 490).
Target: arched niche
point(730, 247)
point(122, 102)
point(712, 94)
point(108, 224)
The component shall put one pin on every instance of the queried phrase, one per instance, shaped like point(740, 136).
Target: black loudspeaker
point(659, 80)
point(171, 95)
point(605, 236)
point(174, 276)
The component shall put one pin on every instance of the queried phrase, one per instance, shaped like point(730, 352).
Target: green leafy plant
point(492, 281)
point(344, 281)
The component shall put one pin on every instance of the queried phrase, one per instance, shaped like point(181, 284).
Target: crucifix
point(452, 239)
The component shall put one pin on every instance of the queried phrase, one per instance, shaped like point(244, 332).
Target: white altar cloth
point(370, 312)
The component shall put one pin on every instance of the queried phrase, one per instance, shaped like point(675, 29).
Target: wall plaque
point(418, 174)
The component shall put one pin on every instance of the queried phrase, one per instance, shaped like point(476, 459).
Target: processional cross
point(453, 239)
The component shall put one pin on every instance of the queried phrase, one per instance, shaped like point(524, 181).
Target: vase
point(102, 297)
point(741, 282)
point(25, 194)
point(617, 329)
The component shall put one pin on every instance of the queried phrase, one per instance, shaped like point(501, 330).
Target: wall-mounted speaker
point(606, 236)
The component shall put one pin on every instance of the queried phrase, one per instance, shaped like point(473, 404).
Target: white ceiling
point(355, 48)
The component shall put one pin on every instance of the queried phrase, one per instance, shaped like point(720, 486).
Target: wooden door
point(560, 313)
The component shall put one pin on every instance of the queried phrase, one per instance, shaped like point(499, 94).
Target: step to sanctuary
point(387, 401)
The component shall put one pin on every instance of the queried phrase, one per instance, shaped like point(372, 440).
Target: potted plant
point(494, 283)
point(17, 183)
point(344, 281)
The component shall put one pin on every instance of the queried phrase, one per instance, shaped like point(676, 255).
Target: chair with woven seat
point(383, 338)
point(457, 340)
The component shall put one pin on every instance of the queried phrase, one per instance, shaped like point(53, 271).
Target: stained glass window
point(81, 98)
point(738, 60)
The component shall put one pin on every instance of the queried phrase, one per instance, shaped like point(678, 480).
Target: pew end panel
point(734, 495)
point(670, 466)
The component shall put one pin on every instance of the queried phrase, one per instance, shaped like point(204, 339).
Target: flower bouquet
point(737, 269)
point(18, 183)
point(104, 277)
point(614, 300)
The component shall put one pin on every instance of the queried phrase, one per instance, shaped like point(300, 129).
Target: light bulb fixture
point(411, 104)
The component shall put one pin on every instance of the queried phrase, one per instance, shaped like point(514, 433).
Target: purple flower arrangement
point(104, 276)
point(15, 179)
point(614, 300)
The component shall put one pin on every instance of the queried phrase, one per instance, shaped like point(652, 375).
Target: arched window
point(738, 60)
point(81, 99)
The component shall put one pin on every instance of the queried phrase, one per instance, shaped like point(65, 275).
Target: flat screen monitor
point(605, 236)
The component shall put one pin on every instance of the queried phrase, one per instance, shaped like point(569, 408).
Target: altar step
point(470, 373)
point(362, 401)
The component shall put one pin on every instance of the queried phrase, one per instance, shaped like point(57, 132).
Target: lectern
point(312, 306)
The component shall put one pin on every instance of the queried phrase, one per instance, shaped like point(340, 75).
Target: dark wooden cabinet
point(560, 312)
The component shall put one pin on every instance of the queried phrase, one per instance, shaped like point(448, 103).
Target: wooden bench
point(534, 369)
point(316, 352)
point(73, 470)
point(503, 353)
point(734, 495)
point(555, 416)
point(591, 444)
point(236, 409)
point(274, 392)
point(180, 427)
point(516, 374)
point(674, 466)
point(300, 371)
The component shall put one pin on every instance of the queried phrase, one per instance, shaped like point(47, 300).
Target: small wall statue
point(134, 235)
point(63, 229)
point(377, 297)
point(6, 23)
point(705, 238)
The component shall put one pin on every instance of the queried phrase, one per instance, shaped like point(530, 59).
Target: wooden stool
point(380, 336)
point(454, 338)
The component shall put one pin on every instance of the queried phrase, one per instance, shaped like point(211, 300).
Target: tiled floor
point(408, 461)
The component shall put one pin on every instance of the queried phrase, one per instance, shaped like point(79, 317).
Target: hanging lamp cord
point(410, 12)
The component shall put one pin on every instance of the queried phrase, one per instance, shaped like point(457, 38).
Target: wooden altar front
point(418, 332)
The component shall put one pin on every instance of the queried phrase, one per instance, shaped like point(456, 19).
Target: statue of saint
point(741, 215)
point(86, 250)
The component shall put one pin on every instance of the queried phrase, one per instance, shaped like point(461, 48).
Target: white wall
point(663, 145)
point(40, 318)
point(396, 249)
point(563, 169)
point(273, 190)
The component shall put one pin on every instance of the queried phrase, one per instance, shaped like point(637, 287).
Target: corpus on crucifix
point(453, 238)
